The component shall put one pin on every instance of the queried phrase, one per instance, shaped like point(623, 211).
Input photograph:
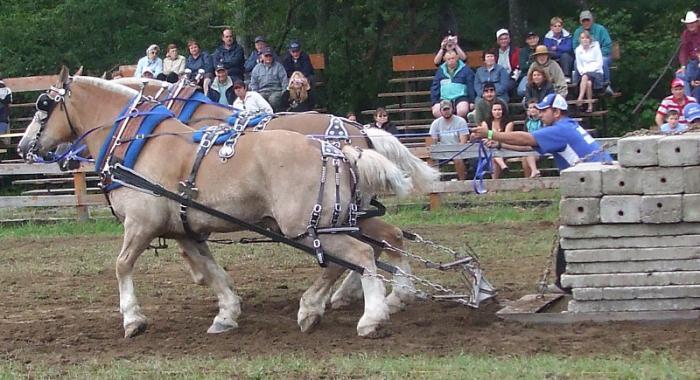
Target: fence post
point(80, 186)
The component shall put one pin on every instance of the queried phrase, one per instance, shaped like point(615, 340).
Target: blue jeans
point(4, 127)
point(607, 60)
point(684, 77)
point(522, 86)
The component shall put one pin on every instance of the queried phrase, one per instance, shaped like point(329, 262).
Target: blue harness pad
point(251, 123)
point(197, 136)
point(150, 120)
point(191, 105)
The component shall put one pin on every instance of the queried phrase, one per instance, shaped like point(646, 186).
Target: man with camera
point(449, 43)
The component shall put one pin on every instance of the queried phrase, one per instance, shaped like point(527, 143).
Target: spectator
point(508, 57)
point(449, 129)
point(297, 60)
point(676, 101)
point(672, 127)
point(351, 116)
point(147, 73)
point(538, 86)
point(449, 43)
point(498, 122)
point(221, 88)
point(255, 56)
point(453, 81)
point(494, 73)
point(116, 74)
point(151, 60)
point(249, 101)
point(5, 101)
point(589, 65)
point(197, 60)
point(690, 42)
point(551, 67)
point(561, 136)
point(229, 54)
point(598, 33)
point(299, 96)
point(532, 123)
point(691, 114)
point(526, 60)
point(693, 74)
point(560, 45)
point(269, 79)
point(482, 110)
point(173, 64)
point(381, 121)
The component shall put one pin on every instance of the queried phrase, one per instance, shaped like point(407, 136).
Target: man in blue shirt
point(562, 137)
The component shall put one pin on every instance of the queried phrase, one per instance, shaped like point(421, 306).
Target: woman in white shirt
point(589, 64)
point(151, 60)
point(249, 101)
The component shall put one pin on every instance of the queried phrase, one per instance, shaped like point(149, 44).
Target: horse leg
point(403, 292)
point(206, 271)
point(376, 311)
point(312, 303)
point(135, 242)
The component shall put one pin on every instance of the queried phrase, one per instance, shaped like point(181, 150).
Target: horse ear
point(63, 75)
point(104, 75)
point(79, 72)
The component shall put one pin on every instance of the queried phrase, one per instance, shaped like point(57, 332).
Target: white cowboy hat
point(690, 18)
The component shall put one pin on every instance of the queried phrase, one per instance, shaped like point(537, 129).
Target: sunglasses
point(267, 55)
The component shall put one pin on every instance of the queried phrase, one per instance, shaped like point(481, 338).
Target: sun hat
point(539, 50)
point(690, 18)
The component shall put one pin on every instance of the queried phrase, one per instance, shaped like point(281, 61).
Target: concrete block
point(691, 179)
point(631, 255)
point(681, 150)
point(624, 230)
point(582, 180)
point(630, 279)
point(620, 209)
point(632, 242)
point(691, 207)
point(662, 208)
point(638, 151)
point(633, 305)
point(636, 292)
point(578, 211)
point(633, 266)
point(658, 180)
point(619, 180)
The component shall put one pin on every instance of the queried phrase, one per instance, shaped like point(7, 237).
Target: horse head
point(51, 124)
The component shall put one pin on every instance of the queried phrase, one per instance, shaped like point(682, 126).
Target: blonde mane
point(131, 81)
point(107, 85)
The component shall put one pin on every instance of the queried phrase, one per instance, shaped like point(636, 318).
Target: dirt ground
point(62, 314)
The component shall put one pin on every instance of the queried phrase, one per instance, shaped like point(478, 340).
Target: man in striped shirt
point(676, 101)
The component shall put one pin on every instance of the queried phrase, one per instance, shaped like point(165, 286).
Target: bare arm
point(659, 119)
point(461, 54)
point(512, 138)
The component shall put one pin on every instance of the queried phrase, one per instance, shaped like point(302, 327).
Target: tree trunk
point(516, 22)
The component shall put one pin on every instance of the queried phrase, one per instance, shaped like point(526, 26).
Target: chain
point(548, 266)
point(454, 297)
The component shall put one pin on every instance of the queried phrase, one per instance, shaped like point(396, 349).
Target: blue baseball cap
point(294, 46)
point(553, 101)
point(691, 112)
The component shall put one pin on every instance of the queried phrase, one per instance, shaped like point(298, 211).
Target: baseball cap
point(147, 69)
point(691, 112)
point(531, 34)
point(238, 83)
point(220, 66)
point(294, 46)
point(266, 50)
point(677, 83)
point(260, 39)
point(445, 104)
point(501, 32)
point(552, 101)
point(585, 15)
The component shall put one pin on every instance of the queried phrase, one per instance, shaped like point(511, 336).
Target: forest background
point(358, 38)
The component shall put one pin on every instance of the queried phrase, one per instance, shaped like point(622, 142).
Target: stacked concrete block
point(631, 230)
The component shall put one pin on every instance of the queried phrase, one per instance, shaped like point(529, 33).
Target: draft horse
point(272, 180)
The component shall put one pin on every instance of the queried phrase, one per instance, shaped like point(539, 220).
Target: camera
point(452, 40)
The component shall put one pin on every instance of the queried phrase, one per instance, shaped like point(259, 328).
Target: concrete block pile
point(631, 230)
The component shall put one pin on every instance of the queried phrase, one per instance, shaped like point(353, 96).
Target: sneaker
point(567, 79)
point(609, 91)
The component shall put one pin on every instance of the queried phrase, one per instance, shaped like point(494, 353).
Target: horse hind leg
point(313, 301)
point(206, 271)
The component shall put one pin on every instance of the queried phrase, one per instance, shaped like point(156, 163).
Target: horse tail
point(390, 147)
point(376, 174)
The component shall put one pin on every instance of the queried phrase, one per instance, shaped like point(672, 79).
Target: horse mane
point(127, 81)
point(107, 85)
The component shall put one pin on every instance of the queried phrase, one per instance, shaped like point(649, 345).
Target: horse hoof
point(373, 332)
point(340, 303)
point(134, 328)
point(218, 327)
point(395, 304)
point(309, 324)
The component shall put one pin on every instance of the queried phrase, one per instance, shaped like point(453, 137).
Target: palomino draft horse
point(315, 124)
point(273, 180)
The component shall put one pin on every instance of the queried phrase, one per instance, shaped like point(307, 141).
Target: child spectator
point(498, 123)
point(299, 96)
point(676, 101)
point(351, 116)
point(538, 86)
point(492, 72)
point(453, 81)
point(5, 101)
point(147, 73)
point(526, 60)
point(173, 64)
point(672, 126)
point(532, 123)
point(691, 114)
point(559, 42)
point(297, 60)
point(449, 43)
point(449, 129)
point(693, 73)
point(151, 60)
point(381, 121)
point(589, 65)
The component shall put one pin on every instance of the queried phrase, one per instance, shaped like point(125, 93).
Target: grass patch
point(64, 228)
point(647, 365)
point(494, 213)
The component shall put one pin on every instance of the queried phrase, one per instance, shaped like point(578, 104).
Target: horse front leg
point(312, 303)
point(205, 271)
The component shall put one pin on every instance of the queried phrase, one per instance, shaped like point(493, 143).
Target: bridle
point(46, 103)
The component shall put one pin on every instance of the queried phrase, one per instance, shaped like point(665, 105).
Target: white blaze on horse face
point(30, 134)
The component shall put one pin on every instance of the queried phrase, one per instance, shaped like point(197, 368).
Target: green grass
point(646, 365)
point(416, 215)
point(63, 228)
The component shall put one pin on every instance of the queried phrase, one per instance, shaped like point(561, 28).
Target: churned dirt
point(66, 315)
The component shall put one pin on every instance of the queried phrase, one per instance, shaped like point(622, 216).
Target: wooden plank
point(413, 62)
point(568, 318)
point(22, 168)
point(49, 181)
point(520, 184)
point(34, 83)
point(50, 200)
point(403, 93)
point(400, 110)
point(127, 70)
point(412, 79)
point(318, 61)
point(58, 191)
point(530, 303)
point(10, 135)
